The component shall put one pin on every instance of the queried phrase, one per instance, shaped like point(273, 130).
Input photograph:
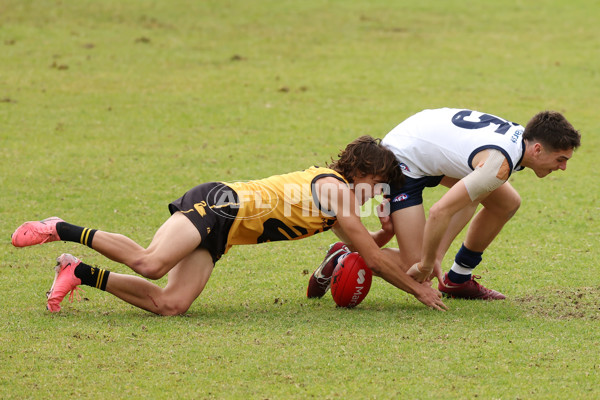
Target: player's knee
point(512, 206)
point(170, 307)
point(437, 211)
point(150, 267)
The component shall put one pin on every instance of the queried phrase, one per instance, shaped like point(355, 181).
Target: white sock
point(461, 270)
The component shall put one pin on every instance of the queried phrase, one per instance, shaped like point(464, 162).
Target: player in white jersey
point(473, 154)
point(444, 141)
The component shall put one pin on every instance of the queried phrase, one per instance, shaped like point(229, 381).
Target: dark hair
point(367, 156)
point(552, 129)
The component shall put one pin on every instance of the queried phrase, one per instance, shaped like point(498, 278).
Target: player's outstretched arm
point(384, 265)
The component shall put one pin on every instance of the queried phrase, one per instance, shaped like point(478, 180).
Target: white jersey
point(444, 142)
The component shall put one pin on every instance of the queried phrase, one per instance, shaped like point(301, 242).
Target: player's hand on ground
point(430, 297)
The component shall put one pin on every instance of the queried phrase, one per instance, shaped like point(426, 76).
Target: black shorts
point(411, 193)
point(206, 206)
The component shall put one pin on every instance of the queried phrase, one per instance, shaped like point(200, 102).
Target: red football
point(351, 281)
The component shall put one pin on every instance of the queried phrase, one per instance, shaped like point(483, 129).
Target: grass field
point(110, 110)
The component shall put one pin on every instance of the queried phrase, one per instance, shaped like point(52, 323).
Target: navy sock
point(464, 263)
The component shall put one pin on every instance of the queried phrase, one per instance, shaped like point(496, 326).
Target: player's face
point(366, 187)
point(549, 161)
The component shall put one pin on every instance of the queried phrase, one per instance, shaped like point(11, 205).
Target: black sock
point(91, 276)
point(74, 233)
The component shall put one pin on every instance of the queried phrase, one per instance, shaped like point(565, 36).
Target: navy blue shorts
point(411, 193)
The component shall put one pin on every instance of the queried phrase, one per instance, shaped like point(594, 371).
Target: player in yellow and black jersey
point(210, 218)
point(281, 207)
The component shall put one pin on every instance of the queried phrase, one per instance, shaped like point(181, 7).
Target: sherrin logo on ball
point(351, 281)
point(361, 277)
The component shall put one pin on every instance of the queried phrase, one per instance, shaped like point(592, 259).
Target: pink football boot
point(36, 232)
point(65, 281)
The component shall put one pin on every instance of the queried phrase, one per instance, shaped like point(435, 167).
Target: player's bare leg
point(498, 208)
point(456, 225)
point(409, 225)
point(185, 283)
point(173, 241)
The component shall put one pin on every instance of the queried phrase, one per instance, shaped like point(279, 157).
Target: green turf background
point(111, 109)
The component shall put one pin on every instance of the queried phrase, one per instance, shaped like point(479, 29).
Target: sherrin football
point(351, 281)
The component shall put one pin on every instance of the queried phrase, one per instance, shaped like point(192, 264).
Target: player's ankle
point(457, 278)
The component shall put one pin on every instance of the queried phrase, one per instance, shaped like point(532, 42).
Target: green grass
point(110, 110)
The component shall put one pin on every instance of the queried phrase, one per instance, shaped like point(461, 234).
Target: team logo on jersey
point(400, 197)
point(404, 167)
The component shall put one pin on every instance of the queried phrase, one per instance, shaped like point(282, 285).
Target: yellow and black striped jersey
point(281, 207)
